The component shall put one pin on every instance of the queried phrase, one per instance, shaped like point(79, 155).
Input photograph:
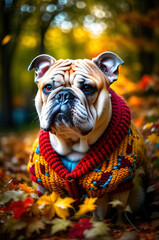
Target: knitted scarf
point(109, 164)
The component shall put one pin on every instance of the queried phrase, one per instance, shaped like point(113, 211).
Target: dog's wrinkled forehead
point(105, 66)
point(69, 72)
point(74, 70)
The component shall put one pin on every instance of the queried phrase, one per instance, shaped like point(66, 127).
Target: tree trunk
point(6, 71)
point(7, 107)
point(146, 57)
point(8, 12)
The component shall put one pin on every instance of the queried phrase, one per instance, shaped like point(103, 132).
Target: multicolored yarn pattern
point(109, 165)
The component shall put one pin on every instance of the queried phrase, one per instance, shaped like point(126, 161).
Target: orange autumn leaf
point(135, 101)
point(145, 80)
point(25, 188)
point(139, 121)
point(147, 125)
point(6, 39)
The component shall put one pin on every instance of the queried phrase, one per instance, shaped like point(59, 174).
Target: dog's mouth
point(59, 117)
point(62, 119)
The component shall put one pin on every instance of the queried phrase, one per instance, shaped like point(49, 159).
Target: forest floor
point(17, 198)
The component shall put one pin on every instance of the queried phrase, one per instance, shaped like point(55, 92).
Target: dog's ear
point(41, 64)
point(108, 63)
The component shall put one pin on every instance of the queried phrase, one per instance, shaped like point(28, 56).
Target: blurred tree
point(143, 21)
point(12, 21)
point(14, 14)
point(87, 28)
point(149, 13)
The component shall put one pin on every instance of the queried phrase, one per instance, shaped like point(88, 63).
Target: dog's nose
point(64, 96)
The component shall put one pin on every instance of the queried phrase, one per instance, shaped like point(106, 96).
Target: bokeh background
point(78, 29)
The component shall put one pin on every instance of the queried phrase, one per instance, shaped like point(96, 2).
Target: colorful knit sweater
point(109, 165)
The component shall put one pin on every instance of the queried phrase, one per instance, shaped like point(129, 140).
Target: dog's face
point(73, 95)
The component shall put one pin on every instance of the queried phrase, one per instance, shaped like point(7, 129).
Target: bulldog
point(87, 146)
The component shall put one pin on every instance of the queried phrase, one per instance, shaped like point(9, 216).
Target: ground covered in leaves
point(25, 215)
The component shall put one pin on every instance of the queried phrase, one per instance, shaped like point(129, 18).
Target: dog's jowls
point(76, 109)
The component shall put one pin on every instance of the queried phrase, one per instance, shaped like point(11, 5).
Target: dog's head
point(73, 95)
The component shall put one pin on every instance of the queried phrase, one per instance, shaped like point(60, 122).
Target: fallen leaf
point(6, 39)
point(13, 225)
point(35, 209)
point(60, 225)
point(129, 236)
point(98, 229)
point(87, 206)
point(153, 138)
point(62, 213)
point(62, 205)
point(35, 225)
point(155, 224)
point(128, 209)
point(25, 188)
point(12, 195)
point(64, 202)
point(46, 205)
point(147, 125)
point(78, 228)
point(151, 188)
point(115, 203)
point(34, 195)
point(52, 204)
point(20, 207)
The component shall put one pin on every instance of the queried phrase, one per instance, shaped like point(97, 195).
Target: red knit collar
point(102, 149)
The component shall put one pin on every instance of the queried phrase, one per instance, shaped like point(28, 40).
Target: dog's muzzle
point(66, 111)
point(65, 101)
point(58, 112)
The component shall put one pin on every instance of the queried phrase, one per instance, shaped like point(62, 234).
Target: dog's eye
point(88, 89)
point(47, 88)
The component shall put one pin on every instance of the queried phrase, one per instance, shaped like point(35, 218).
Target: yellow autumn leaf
point(46, 205)
point(87, 206)
point(62, 213)
point(64, 202)
point(153, 138)
point(48, 199)
point(62, 205)
point(147, 125)
point(35, 210)
point(48, 211)
point(52, 205)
